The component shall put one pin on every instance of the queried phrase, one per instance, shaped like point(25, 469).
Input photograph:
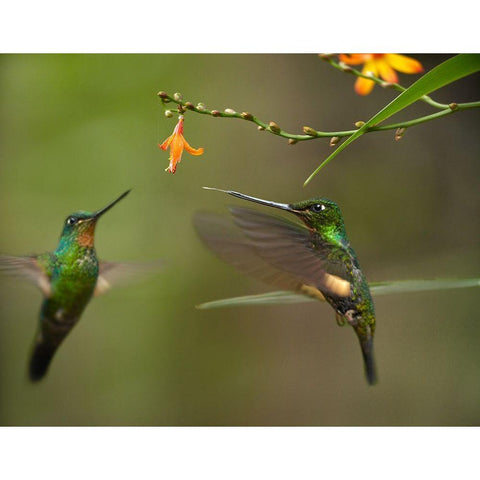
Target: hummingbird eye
point(72, 220)
point(318, 207)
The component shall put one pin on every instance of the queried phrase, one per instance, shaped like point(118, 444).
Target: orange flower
point(177, 144)
point(380, 64)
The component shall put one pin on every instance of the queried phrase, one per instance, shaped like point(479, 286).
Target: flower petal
point(191, 150)
point(403, 63)
point(176, 149)
point(354, 58)
point(386, 71)
point(363, 86)
point(172, 167)
point(370, 66)
point(166, 143)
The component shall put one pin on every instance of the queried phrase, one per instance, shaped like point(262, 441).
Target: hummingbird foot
point(340, 319)
point(350, 317)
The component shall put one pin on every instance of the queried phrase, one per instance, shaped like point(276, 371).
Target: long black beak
point(268, 203)
point(99, 213)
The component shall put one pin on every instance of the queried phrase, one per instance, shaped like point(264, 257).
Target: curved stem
point(348, 69)
point(427, 118)
point(273, 128)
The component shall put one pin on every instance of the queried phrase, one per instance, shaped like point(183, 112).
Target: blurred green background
point(78, 130)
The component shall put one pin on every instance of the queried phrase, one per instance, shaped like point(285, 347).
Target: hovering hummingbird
point(316, 261)
point(68, 278)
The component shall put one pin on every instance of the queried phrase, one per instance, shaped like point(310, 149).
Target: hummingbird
point(68, 278)
point(313, 258)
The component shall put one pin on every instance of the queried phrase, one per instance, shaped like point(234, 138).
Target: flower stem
point(312, 134)
point(427, 118)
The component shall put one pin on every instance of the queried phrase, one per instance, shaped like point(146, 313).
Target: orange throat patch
point(85, 239)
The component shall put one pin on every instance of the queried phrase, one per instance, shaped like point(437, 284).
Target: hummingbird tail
point(367, 352)
point(40, 360)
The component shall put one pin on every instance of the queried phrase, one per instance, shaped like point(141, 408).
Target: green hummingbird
point(68, 278)
point(316, 261)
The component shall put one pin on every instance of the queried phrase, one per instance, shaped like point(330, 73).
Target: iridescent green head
point(319, 214)
point(79, 227)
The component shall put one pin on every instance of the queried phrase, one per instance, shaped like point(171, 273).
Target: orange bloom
point(177, 144)
point(381, 65)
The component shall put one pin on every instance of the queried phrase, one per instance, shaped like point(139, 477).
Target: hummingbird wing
point(122, 273)
point(231, 246)
point(295, 249)
point(33, 269)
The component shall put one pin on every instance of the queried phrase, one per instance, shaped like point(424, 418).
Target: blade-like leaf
point(447, 72)
point(270, 298)
point(408, 286)
point(377, 289)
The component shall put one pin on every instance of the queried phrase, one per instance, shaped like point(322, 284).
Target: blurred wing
point(294, 249)
point(377, 289)
point(228, 243)
point(118, 273)
point(26, 268)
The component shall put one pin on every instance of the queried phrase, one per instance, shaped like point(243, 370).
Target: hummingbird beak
point(100, 212)
point(268, 203)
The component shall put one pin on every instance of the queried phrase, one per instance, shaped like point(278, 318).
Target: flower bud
point(201, 107)
point(453, 106)
point(325, 56)
point(399, 133)
point(177, 97)
point(215, 113)
point(359, 124)
point(260, 128)
point(334, 141)
point(310, 131)
point(292, 141)
point(274, 127)
point(162, 94)
point(189, 105)
point(230, 111)
point(345, 68)
point(168, 113)
point(246, 116)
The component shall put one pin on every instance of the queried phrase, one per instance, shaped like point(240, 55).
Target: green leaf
point(447, 72)
point(270, 298)
point(377, 289)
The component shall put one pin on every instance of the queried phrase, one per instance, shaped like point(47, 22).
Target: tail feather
point(370, 369)
point(40, 360)
point(367, 352)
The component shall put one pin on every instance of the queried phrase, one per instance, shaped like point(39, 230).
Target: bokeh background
point(78, 130)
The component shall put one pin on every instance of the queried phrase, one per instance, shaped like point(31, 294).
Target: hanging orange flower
point(381, 65)
point(177, 144)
